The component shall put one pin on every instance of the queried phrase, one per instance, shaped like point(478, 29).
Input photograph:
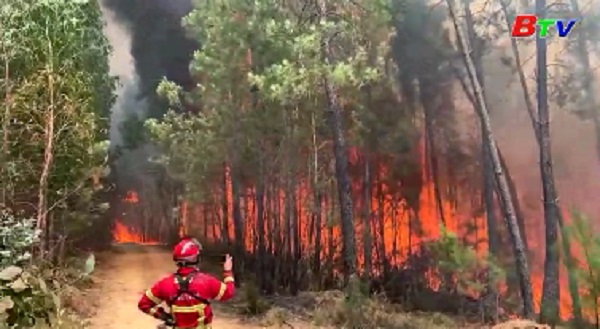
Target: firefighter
point(187, 291)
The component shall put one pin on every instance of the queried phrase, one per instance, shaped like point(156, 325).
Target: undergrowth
point(32, 293)
point(354, 309)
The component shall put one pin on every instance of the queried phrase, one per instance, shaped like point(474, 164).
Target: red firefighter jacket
point(190, 308)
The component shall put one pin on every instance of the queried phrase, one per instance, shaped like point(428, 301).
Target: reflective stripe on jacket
point(187, 311)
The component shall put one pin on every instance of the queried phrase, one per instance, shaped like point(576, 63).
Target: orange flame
point(124, 234)
point(394, 231)
point(131, 197)
point(183, 225)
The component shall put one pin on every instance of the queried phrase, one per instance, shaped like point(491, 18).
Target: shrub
point(23, 298)
point(26, 297)
point(255, 303)
point(461, 269)
point(17, 237)
point(582, 234)
point(334, 309)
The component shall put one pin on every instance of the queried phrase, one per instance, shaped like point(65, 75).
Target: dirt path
point(123, 276)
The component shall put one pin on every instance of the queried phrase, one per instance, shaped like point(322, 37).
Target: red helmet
point(187, 251)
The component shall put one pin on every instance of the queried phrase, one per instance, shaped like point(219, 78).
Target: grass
point(334, 309)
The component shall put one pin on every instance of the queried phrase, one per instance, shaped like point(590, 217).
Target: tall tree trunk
point(515, 198)
point(566, 245)
point(214, 223)
point(331, 246)
point(277, 245)
point(488, 199)
point(571, 266)
point(381, 220)
point(507, 204)
point(260, 224)
point(295, 220)
point(488, 195)
point(509, 17)
point(367, 240)
point(487, 168)
point(428, 100)
point(269, 217)
point(477, 58)
point(225, 203)
point(238, 223)
point(491, 222)
point(294, 241)
point(287, 213)
point(42, 211)
point(565, 242)
point(205, 217)
point(290, 207)
point(318, 233)
point(551, 286)
point(4, 155)
point(589, 88)
point(334, 116)
point(318, 202)
point(381, 252)
point(589, 85)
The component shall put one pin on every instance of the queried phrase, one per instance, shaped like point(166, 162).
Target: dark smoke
point(158, 44)
point(148, 44)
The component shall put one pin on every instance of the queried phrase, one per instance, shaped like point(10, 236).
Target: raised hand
point(228, 265)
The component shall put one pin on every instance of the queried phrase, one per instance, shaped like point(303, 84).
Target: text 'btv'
point(527, 25)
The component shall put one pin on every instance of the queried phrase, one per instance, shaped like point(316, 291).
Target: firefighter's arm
point(150, 301)
point(222, 290)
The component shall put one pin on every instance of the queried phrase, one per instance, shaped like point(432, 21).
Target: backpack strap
point(183, 286)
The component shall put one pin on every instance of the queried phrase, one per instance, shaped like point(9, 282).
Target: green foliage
point(28, 294)
point(298, 71)
point(355, 304)
point(24, 298)
point(56, 58)
point(332, 309)
point(260, 74)
point(469, 273)
point(170, 91)
point(192, 150)
point(54, 73)
point(582, 235)
point(17, 235)
point(255, 303)
point(31, 296)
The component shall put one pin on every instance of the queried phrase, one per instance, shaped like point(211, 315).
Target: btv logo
point(525, 26)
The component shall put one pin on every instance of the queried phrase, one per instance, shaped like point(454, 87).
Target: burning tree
point(267, 83)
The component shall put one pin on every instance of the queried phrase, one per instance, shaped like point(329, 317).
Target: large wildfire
point(399, 235)
point(398, 230)
point(398, 225)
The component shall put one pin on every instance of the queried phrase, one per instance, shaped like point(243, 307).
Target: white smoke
point(122, 65)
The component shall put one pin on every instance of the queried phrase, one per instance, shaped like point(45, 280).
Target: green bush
point(28, 296)
point(335, 309)
point(581, 233)
point(24, 298)
point(463, 271)
point(255, 303)
point(17, 236)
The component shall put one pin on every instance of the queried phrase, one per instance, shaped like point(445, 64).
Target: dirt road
point(123, 276)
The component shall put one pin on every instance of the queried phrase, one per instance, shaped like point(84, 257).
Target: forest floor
point(125, 272)
point(123, 275)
